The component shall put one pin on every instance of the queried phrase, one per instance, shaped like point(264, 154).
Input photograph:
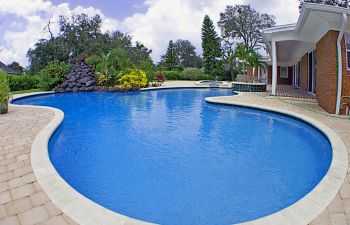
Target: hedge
point(23, 82)
point(172, 75)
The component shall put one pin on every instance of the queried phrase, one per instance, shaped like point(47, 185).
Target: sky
point(152, 22)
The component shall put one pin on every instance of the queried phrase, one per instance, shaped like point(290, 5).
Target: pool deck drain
point(22, 200)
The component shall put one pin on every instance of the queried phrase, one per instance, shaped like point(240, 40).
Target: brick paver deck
point(290, 91)
point(22, 201)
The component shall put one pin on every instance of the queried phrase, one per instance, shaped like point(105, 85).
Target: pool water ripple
point(169, 157)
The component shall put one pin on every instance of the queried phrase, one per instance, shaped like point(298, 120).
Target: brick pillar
point(304, 72)
point(326, 80)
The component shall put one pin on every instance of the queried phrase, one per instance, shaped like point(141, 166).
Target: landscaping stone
point(79, 78)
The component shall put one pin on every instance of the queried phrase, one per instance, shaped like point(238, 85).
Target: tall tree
point(242, 24)
point(171, 59)
point(187, 54)
point(139, 53)
point(211, 47)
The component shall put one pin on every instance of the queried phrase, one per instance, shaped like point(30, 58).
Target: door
point(296, 75)
point(312, 71)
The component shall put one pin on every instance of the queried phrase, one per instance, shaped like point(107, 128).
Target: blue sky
point(152, 22)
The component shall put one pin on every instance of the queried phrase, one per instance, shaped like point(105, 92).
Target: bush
point(147, 66)
point(160, 78)
point(52, 74)
point(93, 60)
point(133, 78)
point(191, 74)
point(23, 82)
point(4, 88)
point(172, 75)
point(102, 80)
point(205, 77)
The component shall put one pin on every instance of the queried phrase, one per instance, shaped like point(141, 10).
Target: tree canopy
point(242, 24)
point(15, 66)
point(187, 54)
point(171, 59)
point(211, 47)
point(81, 36)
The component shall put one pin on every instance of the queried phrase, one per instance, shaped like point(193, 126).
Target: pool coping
point(84, 211)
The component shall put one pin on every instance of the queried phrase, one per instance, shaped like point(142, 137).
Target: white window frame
point(347, 38)
point(284, 76)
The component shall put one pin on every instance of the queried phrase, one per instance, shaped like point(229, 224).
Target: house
point(7, 69)
point(313, 54)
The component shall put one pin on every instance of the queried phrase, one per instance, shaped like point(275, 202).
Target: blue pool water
point(169, 157)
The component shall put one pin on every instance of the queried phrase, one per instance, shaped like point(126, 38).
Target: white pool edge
point(86, 212)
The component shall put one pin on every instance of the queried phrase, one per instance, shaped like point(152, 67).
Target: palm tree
point(254, 61)
point(242, 53)
point(105, 67)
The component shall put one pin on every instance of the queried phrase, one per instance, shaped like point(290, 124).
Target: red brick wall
point(304, 72)
point(250, 72)
point(326, 71)
point(280, 80)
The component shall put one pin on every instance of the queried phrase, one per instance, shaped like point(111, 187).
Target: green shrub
point(205, 77)
point(52, 74)
point(147, 66)
point(191, 74)
point(23, 82)
point(93, 60)
point(4, 88)
point(172, 75)
point(133, 78)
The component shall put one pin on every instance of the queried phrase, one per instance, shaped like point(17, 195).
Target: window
point(284, 72)
point(347, 46)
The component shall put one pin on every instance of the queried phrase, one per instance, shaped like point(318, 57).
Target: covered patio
point(311, 56)
point(290, 91)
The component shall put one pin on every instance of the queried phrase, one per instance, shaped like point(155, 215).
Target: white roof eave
point(308, 7)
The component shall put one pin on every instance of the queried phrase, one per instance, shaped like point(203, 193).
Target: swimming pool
point(168, 157)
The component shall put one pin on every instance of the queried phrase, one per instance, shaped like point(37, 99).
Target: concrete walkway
point(22, 200)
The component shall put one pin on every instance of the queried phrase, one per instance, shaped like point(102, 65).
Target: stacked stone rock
point(80, 78)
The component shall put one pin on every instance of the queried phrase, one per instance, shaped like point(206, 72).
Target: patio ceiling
point(289, 52)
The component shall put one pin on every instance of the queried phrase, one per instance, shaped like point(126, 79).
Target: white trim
point(340, 67)
point(274, 67)
point(285, 27)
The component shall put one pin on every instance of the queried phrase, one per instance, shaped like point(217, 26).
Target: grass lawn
point(26, 91)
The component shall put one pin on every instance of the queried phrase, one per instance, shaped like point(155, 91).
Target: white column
point(274, 68)
point(259, 69)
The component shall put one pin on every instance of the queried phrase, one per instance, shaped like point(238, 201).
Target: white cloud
point(162, 21)
point(182, 19)
point(36, 14)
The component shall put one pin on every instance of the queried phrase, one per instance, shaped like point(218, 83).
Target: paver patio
point(22, 201)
